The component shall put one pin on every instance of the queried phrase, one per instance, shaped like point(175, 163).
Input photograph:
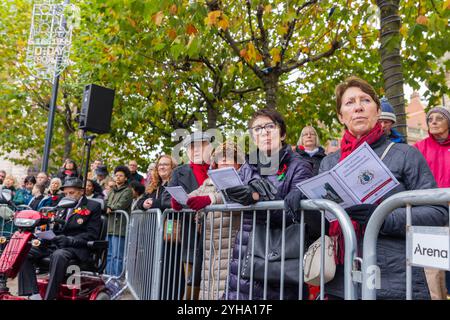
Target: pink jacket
point(438, 158)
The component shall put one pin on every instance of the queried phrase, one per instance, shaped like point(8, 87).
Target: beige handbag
point(311, 262)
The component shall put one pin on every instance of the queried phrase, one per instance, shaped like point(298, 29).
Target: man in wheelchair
point(83, 224)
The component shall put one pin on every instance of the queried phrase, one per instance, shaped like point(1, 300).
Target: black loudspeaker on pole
point(95, 116)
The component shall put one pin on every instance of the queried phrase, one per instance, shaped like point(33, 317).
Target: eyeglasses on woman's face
point(268, 127)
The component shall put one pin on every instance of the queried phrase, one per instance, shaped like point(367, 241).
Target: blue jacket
point(396, 136)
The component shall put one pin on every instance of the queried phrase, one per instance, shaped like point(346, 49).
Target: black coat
point(184, 176)
point(315, 160)
point(157, 196)
point(411, 169)
point(181, 176)
point(82, 228)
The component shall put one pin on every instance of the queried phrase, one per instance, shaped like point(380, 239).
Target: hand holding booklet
point(360, 178)
point(178, 193)
point(225, 178)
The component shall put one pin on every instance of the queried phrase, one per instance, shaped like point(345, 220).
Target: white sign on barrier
point(428, 247)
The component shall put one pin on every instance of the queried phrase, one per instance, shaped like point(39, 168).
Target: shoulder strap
point(386, 151)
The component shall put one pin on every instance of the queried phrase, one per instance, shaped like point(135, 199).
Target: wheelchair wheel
point(103, 296)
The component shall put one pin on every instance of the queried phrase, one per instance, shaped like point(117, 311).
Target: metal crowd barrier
point(144, 254)
point(117, 236)
point(183, 255)
point(370, 271)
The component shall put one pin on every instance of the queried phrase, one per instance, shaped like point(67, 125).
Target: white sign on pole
point(429, 247)
point(50, 38)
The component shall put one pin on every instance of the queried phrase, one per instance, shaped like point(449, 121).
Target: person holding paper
point(270, 173)
point(214, 267)
point(190, 176)
point(160, 177)
point(358, 109)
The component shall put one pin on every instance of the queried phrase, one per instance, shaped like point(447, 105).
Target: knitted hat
point(387, 112)
point(444, 112)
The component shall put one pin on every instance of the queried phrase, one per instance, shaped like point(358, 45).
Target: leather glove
point(175, 205)
point(62, 241)
point(199, 202)
point(244, 194)
point(292, 202)
point(264, 188)
point(241, 194)
point(361, 213)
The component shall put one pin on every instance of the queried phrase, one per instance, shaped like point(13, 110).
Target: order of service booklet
point(360, 178)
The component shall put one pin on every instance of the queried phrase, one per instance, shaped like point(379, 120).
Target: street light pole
point(52, 110)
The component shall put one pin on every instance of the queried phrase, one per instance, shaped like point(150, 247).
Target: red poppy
point(82, 212)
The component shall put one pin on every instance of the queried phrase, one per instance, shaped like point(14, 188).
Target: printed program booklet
point(360, 178)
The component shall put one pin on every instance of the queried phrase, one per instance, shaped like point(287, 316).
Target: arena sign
point(50, 38)
point(428, 247)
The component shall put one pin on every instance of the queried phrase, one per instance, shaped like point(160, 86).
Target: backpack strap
point(386, 150)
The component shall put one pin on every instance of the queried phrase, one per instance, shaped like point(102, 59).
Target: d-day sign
point(50, 37)
point(428, 247)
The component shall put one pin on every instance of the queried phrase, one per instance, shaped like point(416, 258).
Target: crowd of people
point(274, 175)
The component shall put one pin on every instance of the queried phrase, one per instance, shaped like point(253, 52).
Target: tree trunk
point(271, 90)
point(212, 116)
point(67, 141)
point(391, 61)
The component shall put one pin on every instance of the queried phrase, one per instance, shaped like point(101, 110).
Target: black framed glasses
point(269, 127)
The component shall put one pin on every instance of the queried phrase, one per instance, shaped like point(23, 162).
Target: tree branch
point(244, 91)
point(291, 65)
point(264, 40)
point(291, 28)
point(249, 14)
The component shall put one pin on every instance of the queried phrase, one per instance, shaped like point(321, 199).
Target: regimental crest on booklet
point(365, 177)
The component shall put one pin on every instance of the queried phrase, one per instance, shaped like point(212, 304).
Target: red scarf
point(200, 172)
point(350, 143)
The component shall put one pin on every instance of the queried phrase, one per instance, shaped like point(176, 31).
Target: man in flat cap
point(190, 176)
point(83, 224)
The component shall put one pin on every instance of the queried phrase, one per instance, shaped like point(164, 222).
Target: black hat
point(101, 170)
point(72, 182)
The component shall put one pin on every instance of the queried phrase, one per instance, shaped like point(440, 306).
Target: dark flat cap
point(197, 136)
point(72, 182)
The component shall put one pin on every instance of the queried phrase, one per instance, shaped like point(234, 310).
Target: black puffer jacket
point(412, 171)
point(315, 160)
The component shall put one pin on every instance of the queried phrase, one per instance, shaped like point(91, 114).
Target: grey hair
point(300, 139)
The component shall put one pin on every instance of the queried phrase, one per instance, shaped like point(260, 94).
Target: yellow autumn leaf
point(158, 18)
point(211, 19)
point(268, 9)
point(403, 31)
point(240, 66)
point(276, 56)
point(172, 34)
point(223, 23)
point(251, 51)
point(446, 5)
point(422, 20)
point(173, 9)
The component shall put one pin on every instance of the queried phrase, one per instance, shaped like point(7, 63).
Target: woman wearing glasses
point(308, 147)
point(161, 175)
point(270, 173)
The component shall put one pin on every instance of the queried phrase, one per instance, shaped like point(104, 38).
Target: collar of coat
point(284, 156)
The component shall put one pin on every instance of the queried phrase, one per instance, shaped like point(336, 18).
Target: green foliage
point(172, 63)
